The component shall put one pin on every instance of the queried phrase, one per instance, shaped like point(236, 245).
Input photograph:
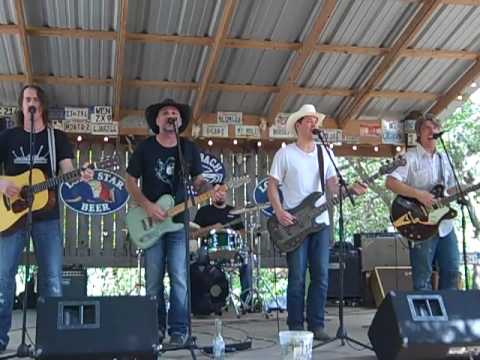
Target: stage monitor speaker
point(427, 325)
point(96, 327)
point(382, 249)
point(352, 279)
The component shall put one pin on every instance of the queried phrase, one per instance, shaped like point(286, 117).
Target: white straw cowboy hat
point(305, 110)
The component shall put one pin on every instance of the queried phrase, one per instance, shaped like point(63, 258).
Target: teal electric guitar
point(145, 232)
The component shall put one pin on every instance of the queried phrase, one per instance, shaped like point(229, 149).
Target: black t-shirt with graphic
point(157, 166)
point(15, 158)
point(210, 215)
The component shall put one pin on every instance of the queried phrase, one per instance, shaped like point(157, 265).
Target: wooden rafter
point(413, 28)
point(239, 43)
point(215, 53)
point(457, 88)
point(119, 61)
point(240, 88)
point(306, 49)
point(24, 39)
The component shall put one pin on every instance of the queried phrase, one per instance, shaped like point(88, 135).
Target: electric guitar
point(145, 232)
point(41, 194)
point(417, 222)
point(289, 238)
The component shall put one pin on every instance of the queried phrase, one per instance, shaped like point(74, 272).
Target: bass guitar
point(417, 222)
point(145, 232)
point(289, 238)
point(41, 194)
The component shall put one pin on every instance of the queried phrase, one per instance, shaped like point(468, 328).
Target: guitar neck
point(336, 200)
point(198, 199)
point(55, 181)
point(448, 199)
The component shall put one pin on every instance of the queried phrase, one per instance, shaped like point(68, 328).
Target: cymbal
point(250, 208)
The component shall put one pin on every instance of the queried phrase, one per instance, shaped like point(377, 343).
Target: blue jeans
point(49, 254)
point(314, 252)
point(444, 252)
point(169, 251)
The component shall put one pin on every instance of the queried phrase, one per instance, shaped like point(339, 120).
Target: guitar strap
point(321, 166)
point(51, 149)
point(441, 175)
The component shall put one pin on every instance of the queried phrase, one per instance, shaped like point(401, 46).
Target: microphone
point(32, 109)
point(171, 120)
point(437, 135)
point(317, 131)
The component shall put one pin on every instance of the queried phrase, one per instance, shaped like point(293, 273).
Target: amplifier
point(352, 276)
point(74, 282)
point(382, 249)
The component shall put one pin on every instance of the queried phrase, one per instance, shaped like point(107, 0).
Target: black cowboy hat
point(152, 111)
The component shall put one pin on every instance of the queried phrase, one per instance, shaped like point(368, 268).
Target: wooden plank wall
point(101, 241)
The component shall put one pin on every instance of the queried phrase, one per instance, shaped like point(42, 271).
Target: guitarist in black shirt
point(47, 239)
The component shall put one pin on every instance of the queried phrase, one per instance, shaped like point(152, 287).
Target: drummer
point(213, 217)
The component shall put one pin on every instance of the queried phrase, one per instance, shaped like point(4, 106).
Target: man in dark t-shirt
point(155, 162)
point(213, 217)
point(15, 159)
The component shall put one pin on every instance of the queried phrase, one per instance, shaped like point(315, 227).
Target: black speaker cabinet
point(96, 327)
point(352, 279)
point(426, 325)
point(74, 283)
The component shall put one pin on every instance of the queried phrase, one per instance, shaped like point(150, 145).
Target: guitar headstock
point(392, 165)
point(236, 182)
point(109, 162)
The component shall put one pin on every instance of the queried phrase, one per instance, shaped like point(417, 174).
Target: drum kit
point(219, 256)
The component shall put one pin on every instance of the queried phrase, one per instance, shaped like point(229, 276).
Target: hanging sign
point(76, 113)
point(108, 129)
point(229, 118)
point(392, 132)
point(247, 131)
point(351, 139)
point(101, 114)
point(333, 136)
point(7, 111)
point(104, 194)
point(370, 130)
point(215, 130)
point(76, 126)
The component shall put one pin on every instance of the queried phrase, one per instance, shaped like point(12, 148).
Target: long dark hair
point(43, 101)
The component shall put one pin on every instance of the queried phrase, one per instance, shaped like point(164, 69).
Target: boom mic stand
point(183, 174)
point(23, 349)
point(342, 334)
point(462, 201)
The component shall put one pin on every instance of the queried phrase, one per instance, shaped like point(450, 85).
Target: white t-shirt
point(423, 171)
point(297, 173)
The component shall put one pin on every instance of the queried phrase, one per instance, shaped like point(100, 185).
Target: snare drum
point(223, 245)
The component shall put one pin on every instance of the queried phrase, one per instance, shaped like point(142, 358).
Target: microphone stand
point(462, 201)
point(342, 334)
point(23, 349)
point(183, 174)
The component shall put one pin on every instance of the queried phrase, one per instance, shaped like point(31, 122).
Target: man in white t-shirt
point(425, 168)
point(295, 167)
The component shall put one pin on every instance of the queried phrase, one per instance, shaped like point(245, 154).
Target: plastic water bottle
point(218, 345)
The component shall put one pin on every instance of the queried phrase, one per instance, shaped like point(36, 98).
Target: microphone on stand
point(437, 135)
point(32, 109)
point(172, 120)
point(318, 132)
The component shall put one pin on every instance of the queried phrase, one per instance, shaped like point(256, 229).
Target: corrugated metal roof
point(360, 23)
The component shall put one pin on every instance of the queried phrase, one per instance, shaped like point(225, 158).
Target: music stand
point(341, 334)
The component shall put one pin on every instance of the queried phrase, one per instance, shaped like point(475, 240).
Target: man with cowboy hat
point(295, 167)
point(155, 162)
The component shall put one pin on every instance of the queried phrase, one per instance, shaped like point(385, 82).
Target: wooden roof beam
point(422, 16)
point(470, 76)
point(307, 48)
point(119, 61)
point(19, 9)
point(215, 53)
